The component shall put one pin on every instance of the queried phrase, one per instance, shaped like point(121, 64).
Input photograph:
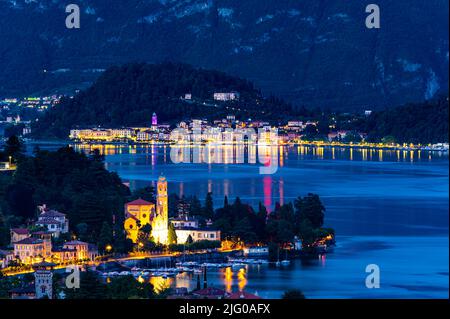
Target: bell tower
point(161, 221)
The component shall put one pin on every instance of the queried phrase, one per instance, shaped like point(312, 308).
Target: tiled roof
point(52, 213)
point(29, 241)
point(75, 242)
point(20, 231)
point(210, 291)
point(47, 221)
point(60, 250)
point(139, 201)
point(128, 215)
point(243, 295)
point(42, 232)
point(197, 229)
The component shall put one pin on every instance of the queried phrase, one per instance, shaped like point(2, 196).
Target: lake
point(388, 208)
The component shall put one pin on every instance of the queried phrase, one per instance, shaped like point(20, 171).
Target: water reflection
point(228, 277)
point(211, 153)
point(160, 284)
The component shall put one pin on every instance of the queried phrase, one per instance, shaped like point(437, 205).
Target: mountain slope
point(314, 53)
point(128, 96)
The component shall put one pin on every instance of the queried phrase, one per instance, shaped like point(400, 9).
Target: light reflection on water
point(392, 205)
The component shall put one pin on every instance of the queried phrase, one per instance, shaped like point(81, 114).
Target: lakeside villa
point(139, 213)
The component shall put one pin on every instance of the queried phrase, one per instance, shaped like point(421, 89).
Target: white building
point(54, 221)
point(228, 96)
point(196, 234)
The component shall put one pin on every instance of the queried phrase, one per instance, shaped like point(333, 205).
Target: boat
point(198, 271)
point(285, 262)
point(237, 265)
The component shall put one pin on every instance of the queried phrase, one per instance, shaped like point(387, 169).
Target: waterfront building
point(256, 251)
point(186, 226)
point(196, 234)
point(184, 221)
point(139, 213)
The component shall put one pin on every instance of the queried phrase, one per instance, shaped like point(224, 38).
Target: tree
point(6, 285)
point(173, 202)
point(171, 234)
point(293, 294)
point(4, 230)
point(127, 287)
point(208, 211)
point(310, 207)
point(144, 239)
point(105, 238)
point(121, 243)
point(195, 206)
point(82, 230)
point(189, 240)
point(14, 148)
point(146, 193)
point(96, 156)
point(91, 287)
point(225, 201)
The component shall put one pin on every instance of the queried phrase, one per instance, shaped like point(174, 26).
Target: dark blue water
point(388, 208)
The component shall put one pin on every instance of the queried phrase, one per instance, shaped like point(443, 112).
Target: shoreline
point(377, 146)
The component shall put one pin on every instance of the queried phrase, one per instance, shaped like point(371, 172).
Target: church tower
point(161, 221)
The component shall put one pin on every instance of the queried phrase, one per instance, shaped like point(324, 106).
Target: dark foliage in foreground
point(70, 182)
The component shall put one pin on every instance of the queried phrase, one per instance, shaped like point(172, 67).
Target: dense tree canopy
point(129, 94)
point(424, 123)
point(76, 184)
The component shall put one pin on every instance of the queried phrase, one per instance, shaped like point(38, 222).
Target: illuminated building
point(139, 213)
point(229, 96)
point(31, 250)
point(196, 234)
point(154, 120)
point(80, 247)
point(6, 256)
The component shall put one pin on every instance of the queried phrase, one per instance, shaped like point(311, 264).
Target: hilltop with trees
point(127, 96)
